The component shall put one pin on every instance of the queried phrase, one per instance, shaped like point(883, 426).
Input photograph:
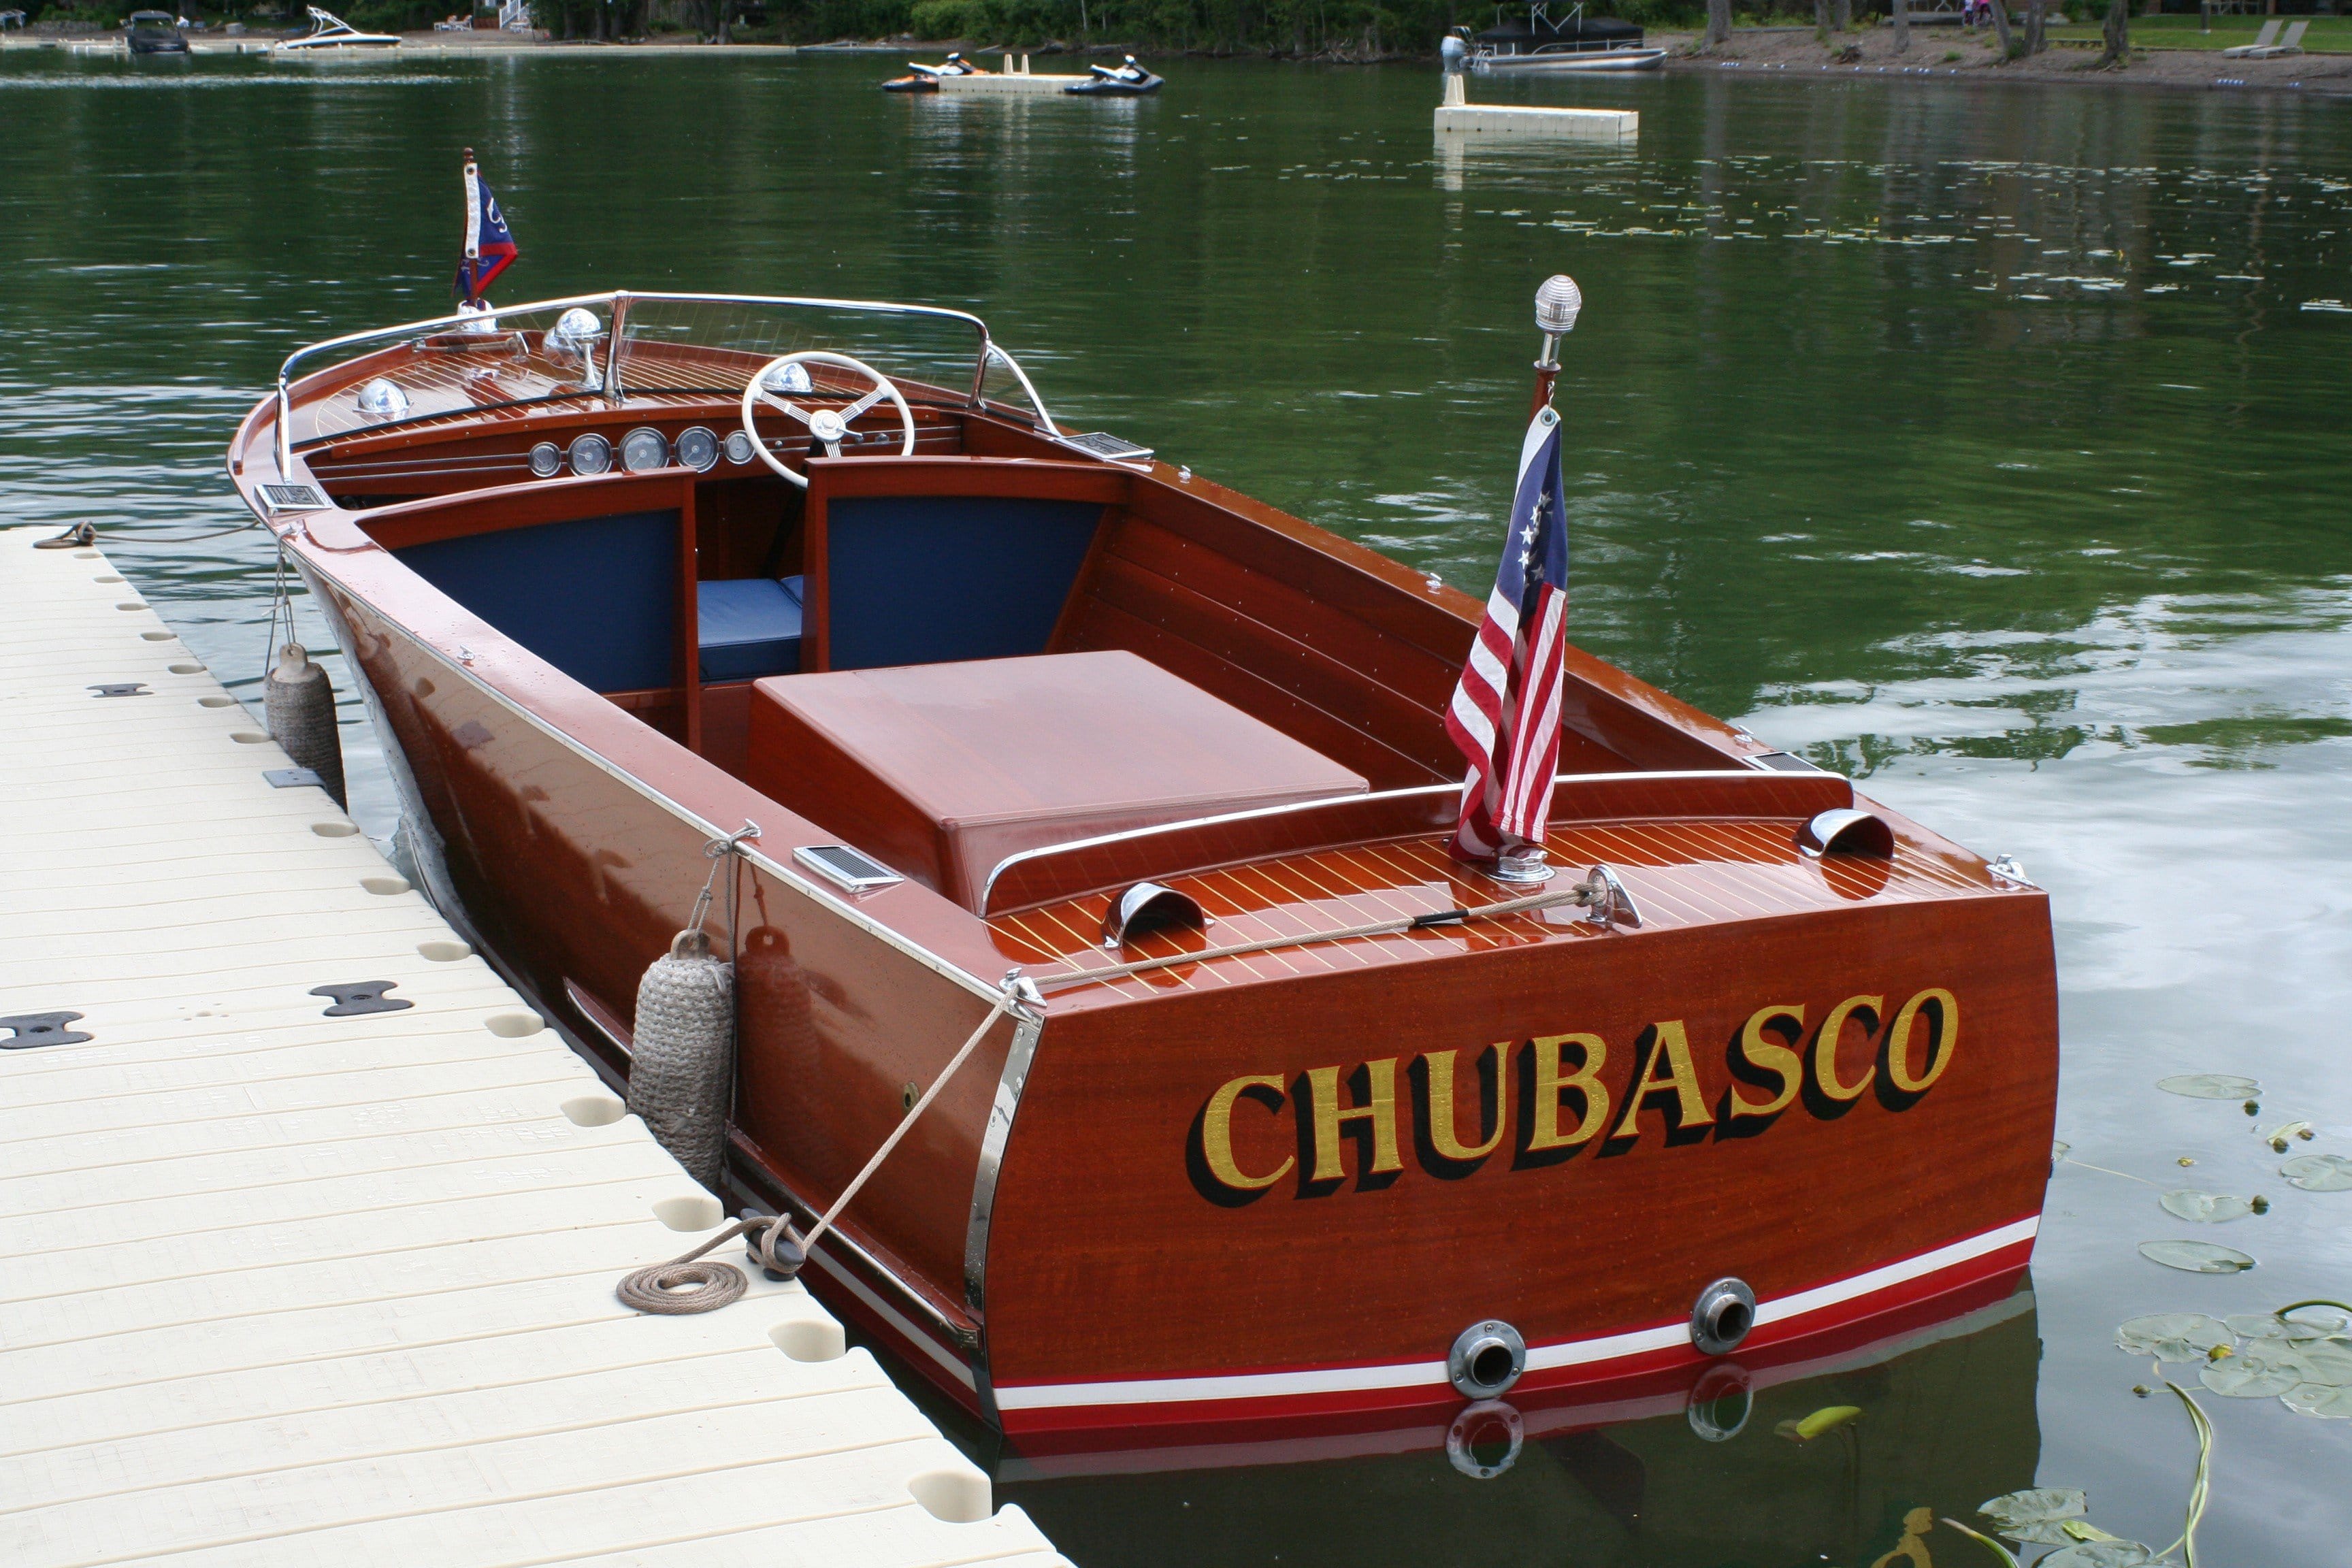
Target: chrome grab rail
point(618, 302)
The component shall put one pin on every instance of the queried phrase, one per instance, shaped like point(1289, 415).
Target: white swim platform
point(283, 1288)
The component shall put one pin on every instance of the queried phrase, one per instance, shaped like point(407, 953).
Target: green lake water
point(1985, 444)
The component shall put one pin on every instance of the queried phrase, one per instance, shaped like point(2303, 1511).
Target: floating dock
point(1014, 79)
point(288, 1280)
point(1459, 116)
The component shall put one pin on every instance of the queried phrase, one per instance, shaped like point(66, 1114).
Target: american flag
point(1506, 711)
point(489, 249)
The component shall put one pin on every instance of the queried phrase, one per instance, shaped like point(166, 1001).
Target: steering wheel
point(828, 426)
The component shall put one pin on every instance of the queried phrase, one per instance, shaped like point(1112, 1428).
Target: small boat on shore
point(331, 35)
point(953, 723)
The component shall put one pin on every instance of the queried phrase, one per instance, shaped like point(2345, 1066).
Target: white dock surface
point(281, 1289)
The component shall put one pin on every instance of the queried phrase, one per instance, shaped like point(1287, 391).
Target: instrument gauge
point(591, 454)
point(697, 449)
point(644, 450)
point(546, 460)
point(739, 447)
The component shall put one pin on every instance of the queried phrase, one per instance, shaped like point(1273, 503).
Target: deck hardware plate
point(366, 996)
point(1109, 448)
point(846, 867)
point(1783, 763)
point(32, 1029)
point(292, 778)
point(121, 688)
point(294, 497)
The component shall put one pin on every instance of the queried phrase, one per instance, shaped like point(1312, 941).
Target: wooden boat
point(998, 696)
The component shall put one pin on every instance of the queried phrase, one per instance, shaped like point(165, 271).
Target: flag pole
point(471, 266)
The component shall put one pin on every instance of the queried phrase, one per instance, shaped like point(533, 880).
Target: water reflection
point(1697, 1473)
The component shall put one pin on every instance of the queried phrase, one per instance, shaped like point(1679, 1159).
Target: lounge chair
point(2265, 41)
point(2290, 45)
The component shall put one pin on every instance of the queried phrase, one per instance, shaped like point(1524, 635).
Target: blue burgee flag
point(489, 249)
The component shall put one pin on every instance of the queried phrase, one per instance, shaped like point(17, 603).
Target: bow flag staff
point(489, 249)
point(1505, 710)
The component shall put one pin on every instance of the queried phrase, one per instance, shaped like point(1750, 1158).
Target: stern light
point(1846, 832)
point(380, 396)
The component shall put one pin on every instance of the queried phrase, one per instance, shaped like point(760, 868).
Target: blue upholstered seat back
point(597, 597)
point(927, 579)
point(749, 627)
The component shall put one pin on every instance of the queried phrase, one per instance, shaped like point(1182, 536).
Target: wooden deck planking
point(282, 1288)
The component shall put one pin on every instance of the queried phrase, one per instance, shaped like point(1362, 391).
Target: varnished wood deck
point(1681, 872)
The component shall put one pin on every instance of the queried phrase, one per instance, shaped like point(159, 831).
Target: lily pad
point(2327, 1362)
point(2173, 1336)
point(2265, 1327)
point(2196, 1257)
point(2259, 1374)
point(2286, 1129)
point(2211, 1085)
point(2316, 1399)
point(2319, 1173)
point(2099, 1554)
point(2038, 1514)
point(2206, 1208)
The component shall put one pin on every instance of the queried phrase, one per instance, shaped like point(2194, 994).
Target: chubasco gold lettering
point(1765, 1054)
point(1327, 1104)
point(1442, 1130)
point(1826, 1048)
point(1379, 1108)
point(1217, 1135)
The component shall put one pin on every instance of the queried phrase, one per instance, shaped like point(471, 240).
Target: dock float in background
point(310, 1228)
point(1459, 116)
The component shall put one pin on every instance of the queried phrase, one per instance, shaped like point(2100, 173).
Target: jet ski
point(926, 79)
point(1126, 79)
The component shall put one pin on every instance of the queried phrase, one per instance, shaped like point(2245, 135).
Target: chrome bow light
point(792, 377)
point(382, 396)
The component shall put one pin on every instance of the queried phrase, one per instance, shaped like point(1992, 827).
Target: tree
point(2034, 11)
point(1842, 15)
point(2001, 27)
point(2118, 33)
point(1903, 26)
point(1718, 23)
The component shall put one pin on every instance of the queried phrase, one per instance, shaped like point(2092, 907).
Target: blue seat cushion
point(750, 627)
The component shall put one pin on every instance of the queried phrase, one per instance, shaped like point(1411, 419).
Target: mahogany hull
point(1268, 1188)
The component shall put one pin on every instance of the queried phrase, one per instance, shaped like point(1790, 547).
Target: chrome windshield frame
point(616, 302)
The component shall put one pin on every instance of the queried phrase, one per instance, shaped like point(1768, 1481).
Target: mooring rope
point(685, 1285)
point(1582, 893)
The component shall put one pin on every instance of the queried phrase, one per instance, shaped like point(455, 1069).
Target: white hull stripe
point(1540, 1358)
point(954, 1365)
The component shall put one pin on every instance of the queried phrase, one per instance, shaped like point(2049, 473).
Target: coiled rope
point(685, 1285)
